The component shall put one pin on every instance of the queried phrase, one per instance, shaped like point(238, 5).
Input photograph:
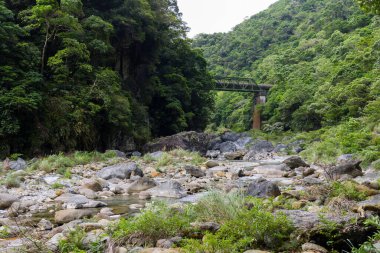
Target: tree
point(52, 17)
point(370, 5)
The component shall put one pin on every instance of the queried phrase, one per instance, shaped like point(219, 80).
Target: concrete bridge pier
point(258, 99)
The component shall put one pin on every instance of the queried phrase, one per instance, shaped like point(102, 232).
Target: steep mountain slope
point(96, 75)
point(322, 56)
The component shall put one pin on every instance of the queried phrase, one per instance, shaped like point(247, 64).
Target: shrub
point(348, 189)
point(61, 162)
point(194, 157)
point(74, 243)
point(57, 185)
point(252, 227)
point(164, 160)
point(11, 181)
point(219, 207)
point(155, 222)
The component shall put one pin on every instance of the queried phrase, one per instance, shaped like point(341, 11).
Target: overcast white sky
point(210, 16)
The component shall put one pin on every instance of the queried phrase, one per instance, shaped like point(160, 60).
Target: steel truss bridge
point(240, 85)
point(237, 84)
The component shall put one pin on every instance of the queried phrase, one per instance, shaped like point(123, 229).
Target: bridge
point(238, 84)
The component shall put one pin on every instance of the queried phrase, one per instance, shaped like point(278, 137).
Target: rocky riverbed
point(45, 206)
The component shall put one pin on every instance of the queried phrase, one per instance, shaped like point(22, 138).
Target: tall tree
point(370, 5)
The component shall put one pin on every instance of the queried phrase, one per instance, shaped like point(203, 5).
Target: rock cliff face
point(191, 141)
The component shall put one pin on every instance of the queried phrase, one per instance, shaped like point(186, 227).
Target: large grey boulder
point(345, 158)
point(121, 171)
point(6, 200)
point(20, 164)
point(237, 155)
point(92, 184)
point(227, 146)
point(350, 168)
point(262, 147)
point(65, 216)
point(243, 142)
point(259, 150)
point(372, 204)
point(168, 189)
point(20, 207)
point(232, 136)
point(212, 154)
point(191, 141)
point(77, 201)
point(295, 162)
point(194, 171)
point(141, 184)
point(263, 188)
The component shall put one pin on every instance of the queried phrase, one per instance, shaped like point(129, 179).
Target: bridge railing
point(239, 85)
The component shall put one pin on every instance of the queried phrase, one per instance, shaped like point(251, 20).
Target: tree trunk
point(44, 49)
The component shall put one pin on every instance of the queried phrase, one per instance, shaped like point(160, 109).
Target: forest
point(92, 75)
point(323, 58)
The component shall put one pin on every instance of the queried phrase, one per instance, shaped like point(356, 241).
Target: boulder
point(262, 147)
point(121, 171)
point(309, 221)
point(191, 141)
point(211, 164)
point(88, 193)
point(51, 179)
point(53, 243)
point(77, 201)
point(119, 153)
point(168, 243)
point(92, 185)
point(237, 155)
point(312, 181)
point(243, 142)
point(351, 168)
point(19, 164)
point(136, 154)
point(212, 153)
point(280, 148)
point(20, 207)
point(44, 225)
point(263, 188)
point(259, 151)
point(6, 200)
point(308, 172)
point(65, 216)
point(168, 189)
point(231, 136)
point(295, 162)
point(345, 158)
point(206, 226)
point(227, 147)
point(313, 248)
point(141, 184)
point(272, 170)
point(215, 143)
point(156, 155)
point(372, 204)
point(194, 171)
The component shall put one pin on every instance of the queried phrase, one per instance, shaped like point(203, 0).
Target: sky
point(210, 16)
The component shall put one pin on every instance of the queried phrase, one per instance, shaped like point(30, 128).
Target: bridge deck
point(240, 85)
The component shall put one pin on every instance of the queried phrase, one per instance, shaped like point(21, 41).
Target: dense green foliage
point(322, 57)
point(246, 224)
point(95, 74)
point(370, 5)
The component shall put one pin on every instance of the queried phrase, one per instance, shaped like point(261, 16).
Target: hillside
point(85, 75)
point(323, 58)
